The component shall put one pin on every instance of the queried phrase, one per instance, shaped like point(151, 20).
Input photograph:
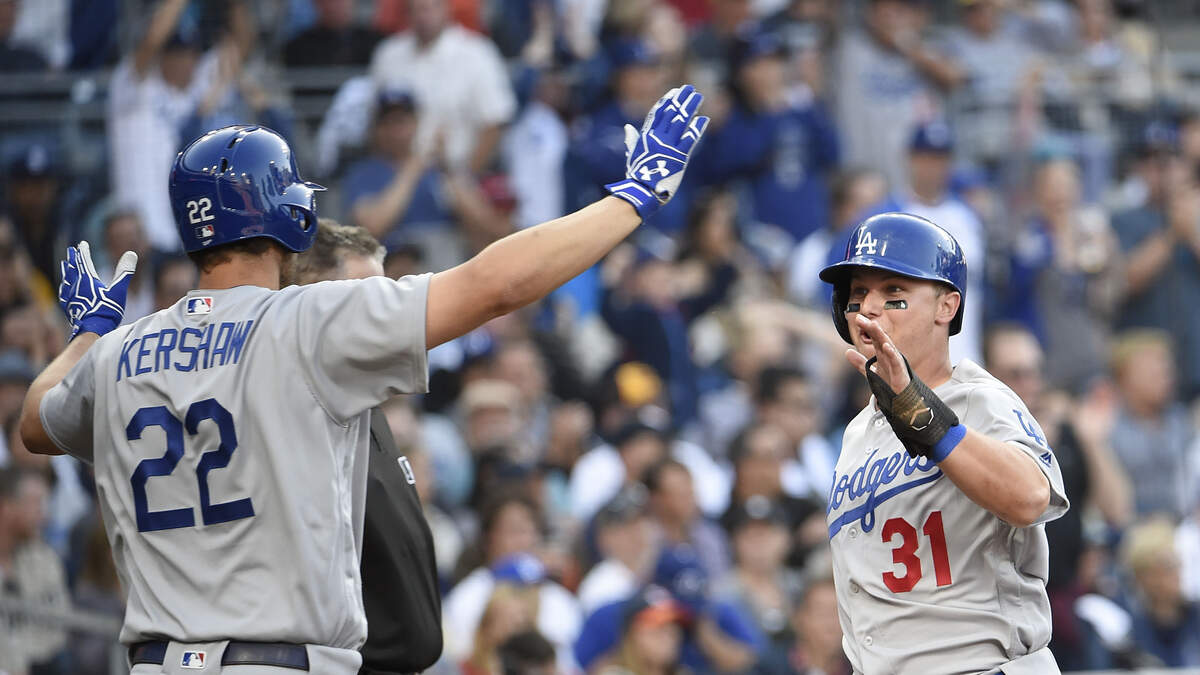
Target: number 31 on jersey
point(906, 553)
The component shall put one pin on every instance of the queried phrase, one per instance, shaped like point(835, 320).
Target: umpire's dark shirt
point(400, 592)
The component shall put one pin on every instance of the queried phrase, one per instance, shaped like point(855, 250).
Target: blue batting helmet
point(905, 244)
point(241, 182)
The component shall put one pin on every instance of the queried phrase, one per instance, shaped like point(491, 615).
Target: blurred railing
point(74, 620)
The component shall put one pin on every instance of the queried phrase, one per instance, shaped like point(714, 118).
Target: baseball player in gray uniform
point(229, 432)
point(944, 479)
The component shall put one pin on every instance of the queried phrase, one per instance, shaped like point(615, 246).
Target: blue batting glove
point(656, 157)
point(92, 306)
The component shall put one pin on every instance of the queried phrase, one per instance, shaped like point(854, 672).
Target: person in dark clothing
point(653, 321)
point(16, 58)
point(334, 41)
point(1161, 243)
point(399, 570)
point(1089, 470)
point(527, 653)
point(597, 143)
point(32, 198)
point(782, 146)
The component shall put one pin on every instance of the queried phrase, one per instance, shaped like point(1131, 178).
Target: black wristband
point(919, 418)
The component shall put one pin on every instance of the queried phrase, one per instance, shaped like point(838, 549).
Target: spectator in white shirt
point(928, 195)
point(624, 536)
point(534, 149)
point(459, 80)
point(153, 90)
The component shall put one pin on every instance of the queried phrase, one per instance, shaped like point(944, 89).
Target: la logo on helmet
point(868, 242)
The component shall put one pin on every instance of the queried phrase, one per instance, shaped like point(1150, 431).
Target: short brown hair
point(333, 242)
point(207, 259)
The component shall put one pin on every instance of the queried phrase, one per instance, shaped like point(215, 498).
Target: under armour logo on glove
point(656, 157)
point(646, 173)
point(92, 306)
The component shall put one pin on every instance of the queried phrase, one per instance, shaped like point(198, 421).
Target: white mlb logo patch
point(406, 467)
point(205, 232)
point(199, 305)
point(193, 660)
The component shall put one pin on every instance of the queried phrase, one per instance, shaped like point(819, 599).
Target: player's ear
point(947, 306)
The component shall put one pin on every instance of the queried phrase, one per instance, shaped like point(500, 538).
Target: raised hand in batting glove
point(90, 304)
point(656, 156)
point(923, 422)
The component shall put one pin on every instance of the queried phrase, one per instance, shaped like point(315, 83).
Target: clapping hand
point(91, 305)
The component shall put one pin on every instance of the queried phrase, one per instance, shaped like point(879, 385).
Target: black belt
point(278, 654)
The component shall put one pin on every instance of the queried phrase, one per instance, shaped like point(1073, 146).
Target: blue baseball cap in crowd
point(632, 53)
point(1158, 137)
point(519, 569)
point(392, 98)
point(186, 37)
point(653, 605)
point(678, 570)
point(935, 136)
point(754, 45)
point(602, 629)
point(758, 509)
point(965, 179)
point(36, 161)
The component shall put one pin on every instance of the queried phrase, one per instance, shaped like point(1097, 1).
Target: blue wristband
point(949, 442)
point(640, 196)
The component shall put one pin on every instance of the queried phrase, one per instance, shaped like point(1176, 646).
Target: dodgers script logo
point(869, 478)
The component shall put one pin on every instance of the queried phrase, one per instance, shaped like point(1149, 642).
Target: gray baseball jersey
point(229, 435)
point(927, 580)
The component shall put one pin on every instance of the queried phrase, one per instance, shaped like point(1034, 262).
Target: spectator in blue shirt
point(1161, 243)
point(596, 153)
point(719, 636)
point(927, 194)
point(396, 189)
point(1165, 623)
point(1063, 278)
point(652, 319)
point(780, 144)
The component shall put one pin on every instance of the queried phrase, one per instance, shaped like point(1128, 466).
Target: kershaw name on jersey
point(183, 350)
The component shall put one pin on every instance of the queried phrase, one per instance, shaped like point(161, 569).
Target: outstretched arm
point(525, 266)
point(522, 268)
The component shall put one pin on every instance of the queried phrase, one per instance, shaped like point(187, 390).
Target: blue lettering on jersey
point(162, 355)
point(240, 332)
point(1031, 429)
point(183, 347)
point(143, 352)
point(868, 478)
point(123, 364)
point(205, 343)
point(187, 350)
point(221, 343)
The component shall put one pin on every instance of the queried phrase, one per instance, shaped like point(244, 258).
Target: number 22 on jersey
point(906, 553)
point(198, 412)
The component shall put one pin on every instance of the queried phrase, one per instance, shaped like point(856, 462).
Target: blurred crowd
point(631, 477)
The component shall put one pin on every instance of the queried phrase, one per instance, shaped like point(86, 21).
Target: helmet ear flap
point(841, 295)
point(304, 218)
